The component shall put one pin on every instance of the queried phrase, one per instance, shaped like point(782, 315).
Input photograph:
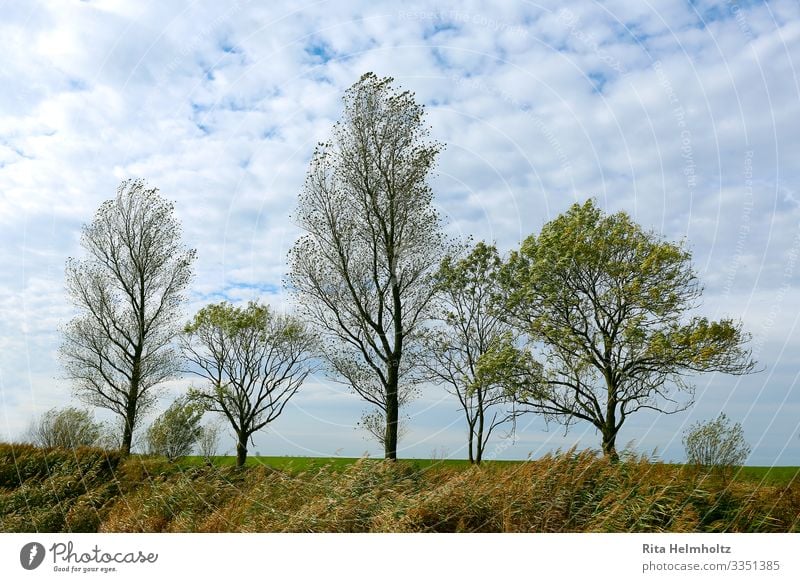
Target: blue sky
point(686, 115)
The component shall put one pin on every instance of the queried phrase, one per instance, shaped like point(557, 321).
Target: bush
point(716, 444)
point(208, 444)
point(67, 428)
point(175, 432)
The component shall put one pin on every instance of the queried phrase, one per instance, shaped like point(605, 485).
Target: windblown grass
point(566, 492)
point(52, 490)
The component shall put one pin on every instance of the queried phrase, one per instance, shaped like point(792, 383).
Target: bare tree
point(468, 336)
point(254, 362)
point(129, 292)
point(362, 273)
point(373, 423)
point(209, 441)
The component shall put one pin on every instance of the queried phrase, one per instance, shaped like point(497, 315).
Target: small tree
point(66, 428)
point(129, 291)
point(606, 306)
point(362, 273)
point(716, 444)
point(253, 360)
point(174, 433)
point(208, 444)
point(469, 333)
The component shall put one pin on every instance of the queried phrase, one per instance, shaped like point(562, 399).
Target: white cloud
point(220, 105)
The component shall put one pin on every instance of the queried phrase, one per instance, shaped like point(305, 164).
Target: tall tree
point(129, 291)
point(363, 271)
point(254, 361)
point(469, 335)
point(607, 306)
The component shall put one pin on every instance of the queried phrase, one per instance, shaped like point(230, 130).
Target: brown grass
point(566, 492)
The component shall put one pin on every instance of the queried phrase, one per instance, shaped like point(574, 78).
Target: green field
point(295, 465)
point(771, 475)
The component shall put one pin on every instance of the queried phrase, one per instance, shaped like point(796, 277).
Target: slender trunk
point(241, 450)
point(471, 440)
point(480, 428)
point(131, 405)
point(392, 390)
point(392, 413)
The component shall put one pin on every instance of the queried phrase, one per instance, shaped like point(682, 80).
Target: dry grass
point(51, 490)
point(567, 492)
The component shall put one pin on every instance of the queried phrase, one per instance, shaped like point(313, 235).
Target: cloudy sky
point(684, 114)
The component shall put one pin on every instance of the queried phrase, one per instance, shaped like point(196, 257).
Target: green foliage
point(606, 306)
point(716, 444)
point(175, 432)
point(470, 349)
point(252, 360)
point(513, 371)
point(67, 428)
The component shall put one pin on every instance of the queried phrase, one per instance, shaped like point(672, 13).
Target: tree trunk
point(480, 429)
point(610, 444)
point(131, 404)
point(129, 420)
point(471, 440)
point(610, 428)
point(127, 434)
point(392, 415)
point(241, 450)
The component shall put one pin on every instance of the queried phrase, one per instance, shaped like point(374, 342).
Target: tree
point(209, 441)
point(362, 273)
point(716, 444)
point(254, 361)
point(66, 428)
point(468, 336)
point(129, 292)
point(175, 432)
point(606, 305)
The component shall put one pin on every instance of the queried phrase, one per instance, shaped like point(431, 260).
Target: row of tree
point(716, 444)
point(588, 320)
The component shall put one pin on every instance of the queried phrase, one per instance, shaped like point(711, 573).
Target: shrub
point(208, 444)
point(66, 428)
point(175, 432)
point(716, 444)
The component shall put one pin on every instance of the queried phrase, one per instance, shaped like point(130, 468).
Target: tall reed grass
point(91, 490)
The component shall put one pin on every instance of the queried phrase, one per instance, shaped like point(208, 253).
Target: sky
point(683, 114)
